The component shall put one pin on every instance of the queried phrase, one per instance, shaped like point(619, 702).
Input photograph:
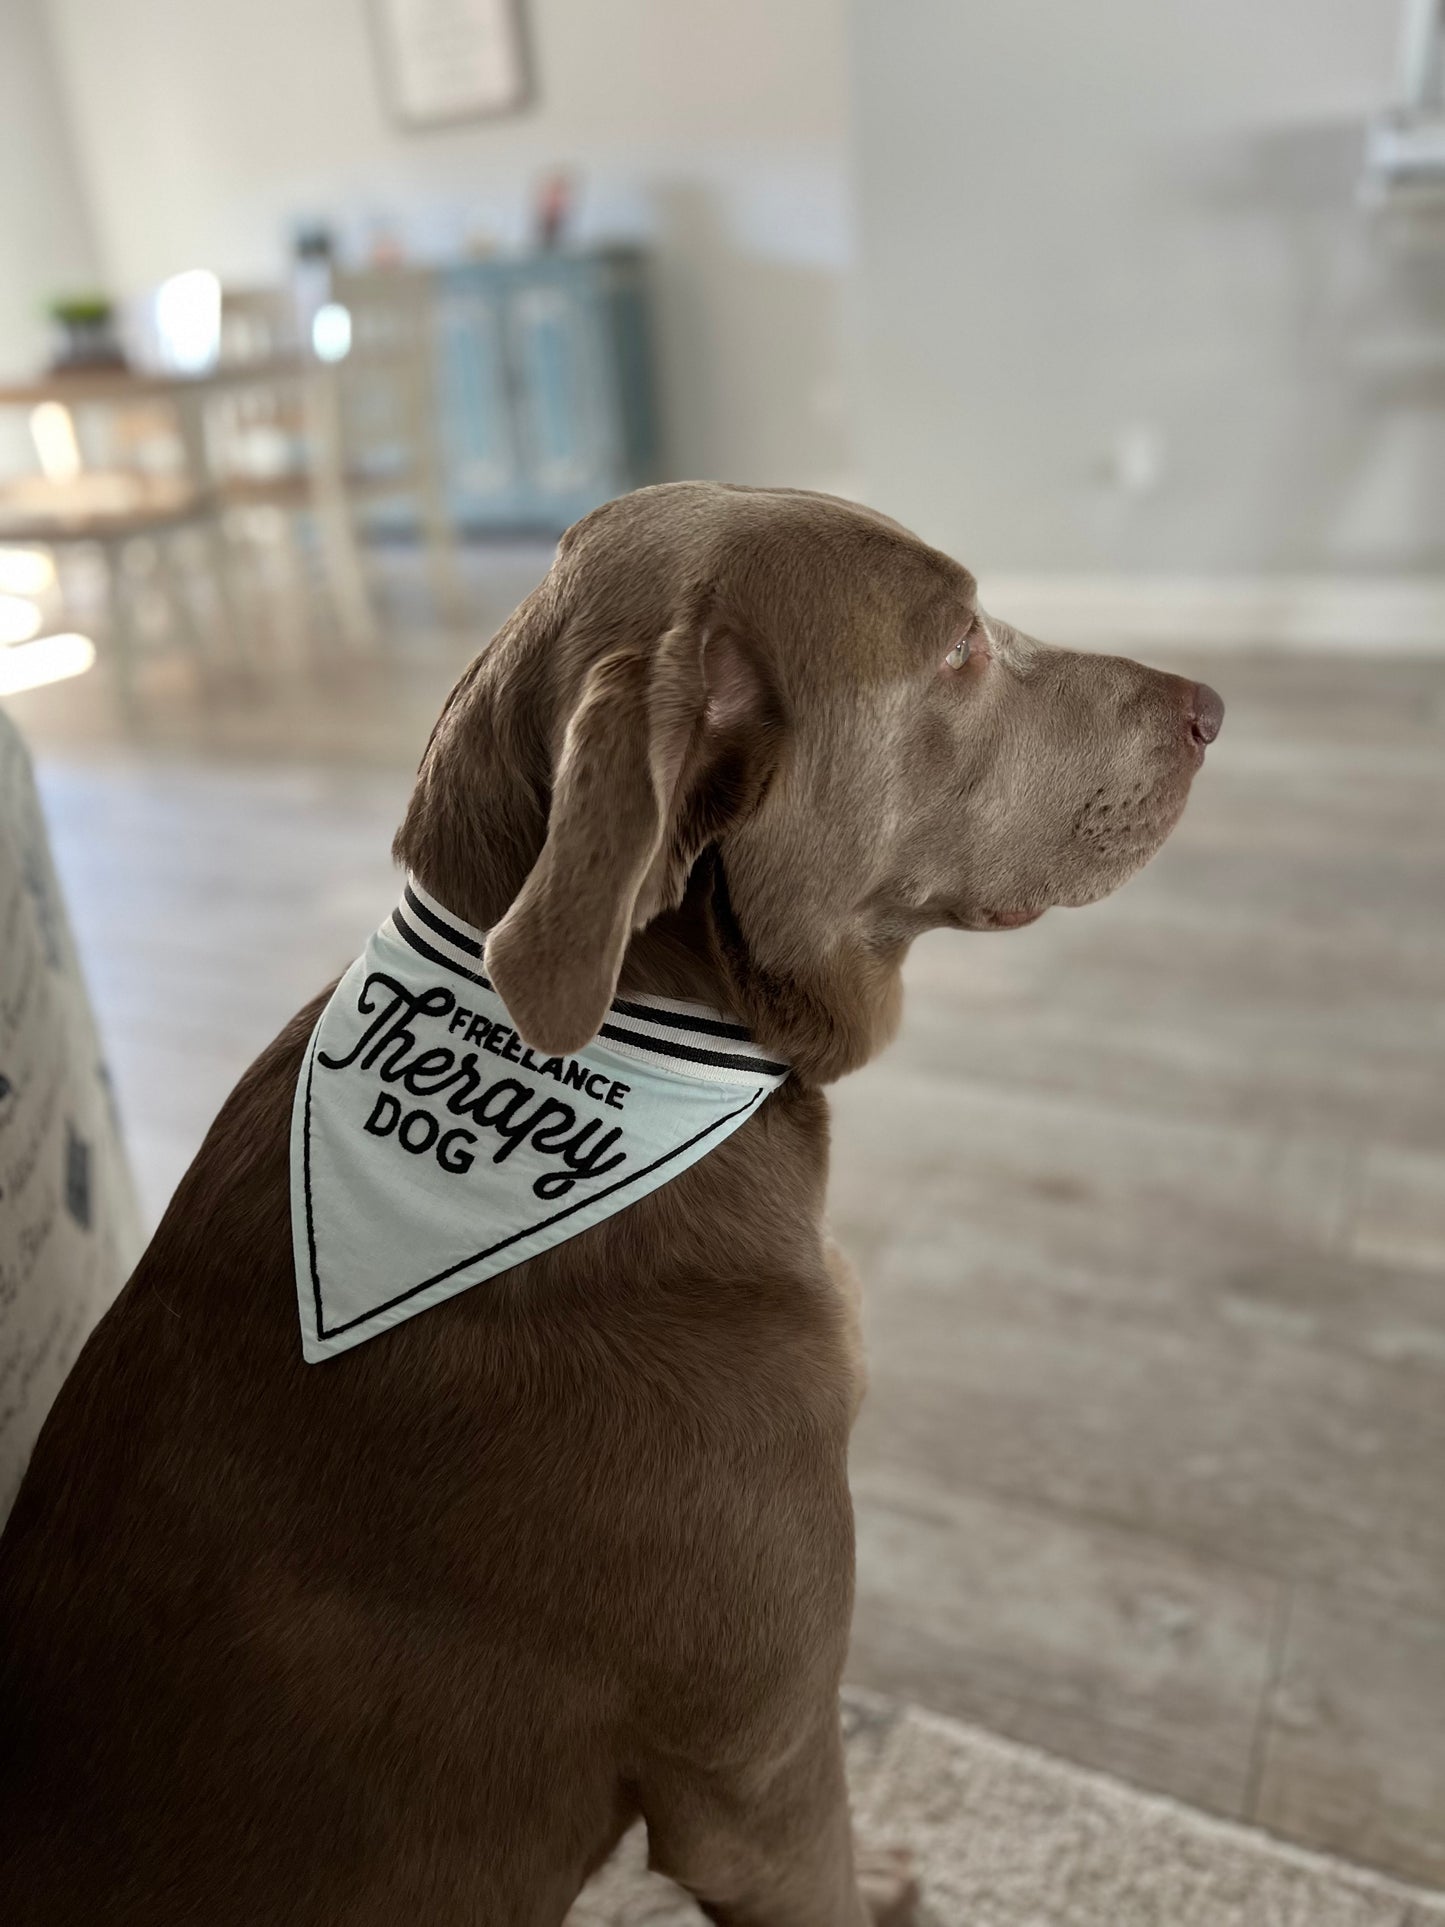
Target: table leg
point(120, 627)
point(238, 641)
point(332, 509)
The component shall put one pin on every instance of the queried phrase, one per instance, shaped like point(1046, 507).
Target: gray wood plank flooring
point(1149, 1201)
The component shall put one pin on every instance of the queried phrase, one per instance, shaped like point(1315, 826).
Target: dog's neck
point(678, 956)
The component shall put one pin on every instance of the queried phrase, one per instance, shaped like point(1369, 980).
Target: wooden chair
point(108, 511)
point(340, 441)
point(273, 449)
point(388, 411)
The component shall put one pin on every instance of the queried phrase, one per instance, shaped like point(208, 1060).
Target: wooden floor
point(1149, 1200)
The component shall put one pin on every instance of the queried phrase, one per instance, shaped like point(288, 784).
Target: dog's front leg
point(773, 1847)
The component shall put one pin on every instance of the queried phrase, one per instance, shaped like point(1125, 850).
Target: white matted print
point(448, 60)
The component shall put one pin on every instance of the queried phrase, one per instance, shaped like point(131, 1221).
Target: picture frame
point(442, 62)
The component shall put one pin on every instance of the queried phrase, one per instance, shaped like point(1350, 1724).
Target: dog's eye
point(974, 645)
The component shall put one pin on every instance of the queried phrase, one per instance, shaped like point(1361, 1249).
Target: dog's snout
point(1206, 714)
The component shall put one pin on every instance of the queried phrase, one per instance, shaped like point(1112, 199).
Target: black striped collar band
point(667, 1031)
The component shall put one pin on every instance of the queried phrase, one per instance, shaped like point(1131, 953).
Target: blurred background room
point(319, 322)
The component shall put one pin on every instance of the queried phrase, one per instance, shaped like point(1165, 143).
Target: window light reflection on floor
point(20, 619)
point(25, 572)
point(30, 665)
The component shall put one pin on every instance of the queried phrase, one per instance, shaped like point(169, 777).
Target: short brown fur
point(414, 1634)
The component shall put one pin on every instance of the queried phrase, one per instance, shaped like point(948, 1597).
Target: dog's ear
point(662, 752)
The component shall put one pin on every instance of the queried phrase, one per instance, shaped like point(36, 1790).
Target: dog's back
point(404, 1638)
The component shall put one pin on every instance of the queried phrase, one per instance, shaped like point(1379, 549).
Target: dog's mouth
point(1118, 827)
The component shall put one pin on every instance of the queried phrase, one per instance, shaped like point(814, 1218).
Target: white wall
point(1135, 221)
point(713, 128)
point(46, 245)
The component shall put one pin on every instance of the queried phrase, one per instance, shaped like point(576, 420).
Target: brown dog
point(412, 1635)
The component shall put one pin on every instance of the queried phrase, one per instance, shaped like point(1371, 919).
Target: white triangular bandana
point(431, 1149)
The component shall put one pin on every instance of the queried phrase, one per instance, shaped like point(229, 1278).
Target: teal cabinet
point(545, 386)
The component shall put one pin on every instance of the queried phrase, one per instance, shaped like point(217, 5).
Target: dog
point(415, 1633)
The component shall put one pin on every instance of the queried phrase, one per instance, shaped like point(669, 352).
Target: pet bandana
point(431, 1149)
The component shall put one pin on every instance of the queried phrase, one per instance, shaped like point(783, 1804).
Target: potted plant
point(84, 327)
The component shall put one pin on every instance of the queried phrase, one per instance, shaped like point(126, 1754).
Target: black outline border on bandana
point(490, 1252)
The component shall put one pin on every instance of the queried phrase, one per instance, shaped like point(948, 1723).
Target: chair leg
point(238, 641)
point(335, 523)
point(181, 614)
point(448, 596)
point(237, 636)
point(345, 574)
point(121, 628)
point(296, 604)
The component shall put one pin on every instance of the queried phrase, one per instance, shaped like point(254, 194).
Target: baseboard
point(1403, 615)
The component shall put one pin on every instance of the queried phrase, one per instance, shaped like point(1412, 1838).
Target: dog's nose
point(1206, 713)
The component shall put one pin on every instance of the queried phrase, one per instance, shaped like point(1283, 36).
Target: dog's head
point(789, 716)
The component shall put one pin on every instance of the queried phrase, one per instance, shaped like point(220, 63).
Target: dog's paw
point(888, 1886)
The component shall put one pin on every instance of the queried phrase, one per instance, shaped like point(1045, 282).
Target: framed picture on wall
point(450, 60)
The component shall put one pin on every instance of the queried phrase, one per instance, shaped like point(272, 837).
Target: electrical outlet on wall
point(1137, 458)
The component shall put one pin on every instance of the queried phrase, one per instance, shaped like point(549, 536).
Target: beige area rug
point(1008, 1837)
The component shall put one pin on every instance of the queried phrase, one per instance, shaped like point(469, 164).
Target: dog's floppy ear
point(662, 750)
